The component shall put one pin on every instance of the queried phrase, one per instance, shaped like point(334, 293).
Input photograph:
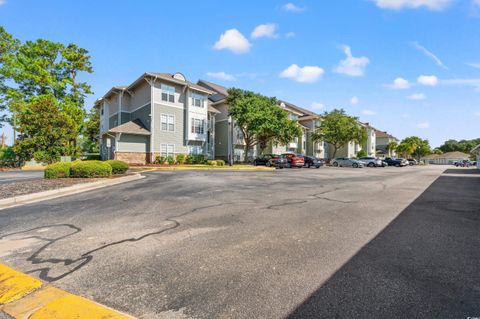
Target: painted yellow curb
point(206, 168)
point(14, 285)
point(24, 298)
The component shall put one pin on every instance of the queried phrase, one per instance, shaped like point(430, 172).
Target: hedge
point(220, 162)
point(212, 163)
point(118, 167)
point(90, 169)
point(57, 170)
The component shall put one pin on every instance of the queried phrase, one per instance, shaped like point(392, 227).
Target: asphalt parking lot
point(293, 243)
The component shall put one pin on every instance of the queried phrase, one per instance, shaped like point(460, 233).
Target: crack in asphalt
point(85, 258)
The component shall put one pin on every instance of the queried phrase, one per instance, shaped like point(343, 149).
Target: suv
point(398, 162)
point(346, 162)
point(313, 161)
point(294, 160)
point(278, 161)
point(371, 161)
point(412, 161)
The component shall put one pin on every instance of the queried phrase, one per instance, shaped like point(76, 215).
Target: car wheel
point(318, 166)
point(397, 165)
point(335, 164)
point(370, 164)
point(355, 165)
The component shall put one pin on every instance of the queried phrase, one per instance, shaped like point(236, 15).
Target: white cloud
point(290, 34)
point(354, 100)
point(428, 80)
point(290, 7)
point(412, 4)
point(234, 41)
point(476, 113)
point(221, 76)
point(417, 96)
point(476, 2)
point(474, 65)
point(430, 55)
point(2, 2)
point(306, 74)
point(399, 84)
point(317, 106)
point(423, 125)
point(352, 66)
point(369, 112)
point(267, 30)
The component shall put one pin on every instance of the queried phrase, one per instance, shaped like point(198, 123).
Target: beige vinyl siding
point(133, 143)
point(140, 97)
point(177, 137)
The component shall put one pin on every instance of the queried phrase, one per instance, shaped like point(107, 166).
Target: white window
point(168, 93)
point(167, 149)
point(198, 126)
point(167, 122)
point(197, 100)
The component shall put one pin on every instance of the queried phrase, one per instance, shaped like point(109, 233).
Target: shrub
point(160, 159)
point(181, 158)
point(170, 160)
point(188, 159)
point(197, 159)
point(118, 167)
point(90, 169)
point(220, 162)
point(212, 163)
point(362, 153)
point(57, 170)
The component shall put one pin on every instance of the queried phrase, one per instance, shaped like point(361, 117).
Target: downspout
point(152, 119)
point(119, 115)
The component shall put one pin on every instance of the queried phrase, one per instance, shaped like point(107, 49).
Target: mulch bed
point(39, 185)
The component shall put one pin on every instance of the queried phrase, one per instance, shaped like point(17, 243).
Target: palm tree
point(391, 147)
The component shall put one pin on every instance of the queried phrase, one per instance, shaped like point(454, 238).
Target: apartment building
point(382, 140)
point(226, 130)
point(159, 114)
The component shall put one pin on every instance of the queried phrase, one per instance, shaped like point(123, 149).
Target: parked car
point(398, 162)
point(412, 161)
point(464, 163)
point(278, 161)
point(346, 162)
point(371, 161)
point(262, 159)
point(293, 159)
point(313, 161)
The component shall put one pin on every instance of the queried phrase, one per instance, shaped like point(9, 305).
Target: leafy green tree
point(45, 131)
point(362, 153)
point(42, 67)
point(437, 151)
point(260, 119)
point(91, 132)
point(414, 146)
point(337, 128)
point(464, 146)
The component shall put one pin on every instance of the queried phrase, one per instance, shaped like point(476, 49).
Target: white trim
point(170, 104)
point(139, 107)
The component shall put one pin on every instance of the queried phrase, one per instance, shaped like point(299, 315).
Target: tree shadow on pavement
point(424, 264)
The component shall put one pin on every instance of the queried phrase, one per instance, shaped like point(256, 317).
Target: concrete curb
point(64, 191)
point(22, 296)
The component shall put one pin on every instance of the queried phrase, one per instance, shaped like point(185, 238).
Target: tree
point(260, 119)
point(8, 45)
point(42, 67)
point(44, 130)
point(91, 132)
point(414, 146)
point(464, 146)
point(337, 128)
point(391, 147)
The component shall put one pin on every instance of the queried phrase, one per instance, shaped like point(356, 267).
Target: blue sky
point(411, 67)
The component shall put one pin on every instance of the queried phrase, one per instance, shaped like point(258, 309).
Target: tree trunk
point(335, 148)
point(247, 148)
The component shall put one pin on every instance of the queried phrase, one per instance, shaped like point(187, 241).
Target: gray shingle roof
point(169, 77)
point(132, 127)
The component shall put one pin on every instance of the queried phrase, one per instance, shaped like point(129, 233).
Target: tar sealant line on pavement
point(22, 296)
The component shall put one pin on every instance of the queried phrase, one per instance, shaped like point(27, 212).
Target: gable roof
point(132, 127)
point(298, 109)
point(379, 133)
point(171, 77)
